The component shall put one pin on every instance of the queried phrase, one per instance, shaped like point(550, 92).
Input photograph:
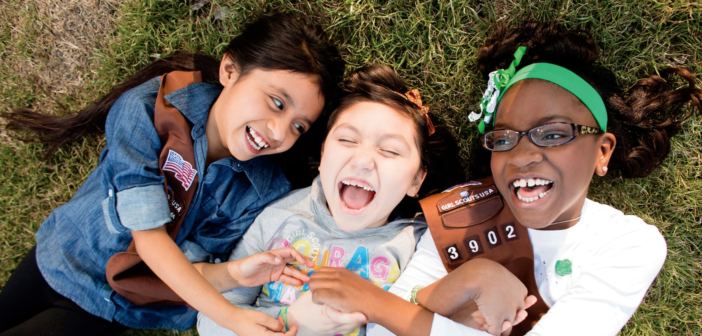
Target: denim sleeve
point(131, 161)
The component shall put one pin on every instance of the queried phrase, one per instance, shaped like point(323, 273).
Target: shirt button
point(217, 260)
point(109, 193)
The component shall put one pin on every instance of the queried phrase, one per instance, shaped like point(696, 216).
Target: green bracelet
point(413, 298)
point(284, 312)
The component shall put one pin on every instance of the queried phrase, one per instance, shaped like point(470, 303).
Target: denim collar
point(195, 102)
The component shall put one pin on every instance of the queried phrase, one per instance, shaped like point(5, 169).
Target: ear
point(607, 144)
point(228, 71)
point(417, 183)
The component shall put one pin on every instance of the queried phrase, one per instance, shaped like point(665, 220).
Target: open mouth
point(531, 190)
point(255, 139)
point(355, 195)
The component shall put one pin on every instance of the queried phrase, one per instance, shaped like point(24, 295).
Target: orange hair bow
point(414, 97)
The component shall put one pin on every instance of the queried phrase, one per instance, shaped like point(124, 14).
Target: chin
point(351, 227)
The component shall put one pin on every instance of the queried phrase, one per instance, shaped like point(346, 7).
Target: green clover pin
point(563, 267)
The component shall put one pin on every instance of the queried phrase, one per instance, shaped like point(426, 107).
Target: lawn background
point(59, 55)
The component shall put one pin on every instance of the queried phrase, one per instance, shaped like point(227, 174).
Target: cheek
point(398, 177)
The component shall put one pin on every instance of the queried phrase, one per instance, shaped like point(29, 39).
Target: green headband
point(502, 80)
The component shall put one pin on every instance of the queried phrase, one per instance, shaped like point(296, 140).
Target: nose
point(278, 129)
point(525, 153)
point(362, 160)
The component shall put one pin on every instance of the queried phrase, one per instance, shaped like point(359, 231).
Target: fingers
point(521, 315)
point(290, 254)
point(340, 317)
point(293, 272)
point(270, 323)
point(530, 301)
point(292, 331)
point(506, 328)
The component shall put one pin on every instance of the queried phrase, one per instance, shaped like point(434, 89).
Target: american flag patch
point(184, 172)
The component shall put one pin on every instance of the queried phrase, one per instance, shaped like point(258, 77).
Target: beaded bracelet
point(284, 312)
point(413, 298)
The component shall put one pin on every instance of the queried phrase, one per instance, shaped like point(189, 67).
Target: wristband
point(413, 298)
point(284, 312)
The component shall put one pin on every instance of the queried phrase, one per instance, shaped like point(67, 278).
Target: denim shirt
point(125, 193)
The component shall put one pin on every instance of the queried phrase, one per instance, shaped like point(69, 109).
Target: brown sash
point(471, 221)
point(126, 273)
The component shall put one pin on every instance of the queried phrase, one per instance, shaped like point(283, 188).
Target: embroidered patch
point(474, 246)
point(464, 184)
point(492, 237)
point(464, 197)
point(453, 253)
point(183, 170)
point(510, 231)
point(564, 267)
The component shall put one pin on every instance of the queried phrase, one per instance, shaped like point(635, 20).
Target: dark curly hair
point(277, 42)
point(643, 118)
point(438, 152)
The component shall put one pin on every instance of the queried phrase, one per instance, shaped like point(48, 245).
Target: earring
point(604, 169)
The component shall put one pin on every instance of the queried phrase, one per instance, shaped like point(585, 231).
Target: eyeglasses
point(547, 135)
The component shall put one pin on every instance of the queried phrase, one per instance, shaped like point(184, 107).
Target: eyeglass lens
point(548, 135)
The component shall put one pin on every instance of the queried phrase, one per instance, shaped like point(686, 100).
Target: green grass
point(431, 43)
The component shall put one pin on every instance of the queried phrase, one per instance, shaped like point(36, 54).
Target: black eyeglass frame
point(577, 130)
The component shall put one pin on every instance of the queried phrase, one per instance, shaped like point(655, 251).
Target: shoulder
point(142, 94)
point(296, 202)
point(616, 232)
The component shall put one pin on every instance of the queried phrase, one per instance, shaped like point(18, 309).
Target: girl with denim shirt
point(269, 88)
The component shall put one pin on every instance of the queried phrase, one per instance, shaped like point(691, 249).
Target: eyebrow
point(382, 137)
point(544, 120)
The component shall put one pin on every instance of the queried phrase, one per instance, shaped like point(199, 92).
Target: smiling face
point(261, 113)
point(368, 167)
point(543, 185)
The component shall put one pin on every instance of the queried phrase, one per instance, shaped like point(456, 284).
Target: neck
point(215, 147)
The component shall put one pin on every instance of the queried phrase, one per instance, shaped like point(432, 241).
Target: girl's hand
point(264, 267)
point(314, 319)
point(343, 290)
point(498, 294)
point(471, 316)
point(251, 322)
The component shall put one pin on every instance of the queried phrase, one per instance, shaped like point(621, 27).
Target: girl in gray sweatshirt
point(360, 212)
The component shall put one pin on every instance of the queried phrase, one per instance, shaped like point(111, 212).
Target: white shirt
point(614, 258)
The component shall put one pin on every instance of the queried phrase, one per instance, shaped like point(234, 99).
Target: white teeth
point(351, 183)
point(257, 141)
point(530, 182)
point(532, 199)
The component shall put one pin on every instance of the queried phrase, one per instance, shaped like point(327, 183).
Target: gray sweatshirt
point(302, 220)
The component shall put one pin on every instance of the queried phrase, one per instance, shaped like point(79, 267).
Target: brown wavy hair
point(642, 118)
point(438, 152)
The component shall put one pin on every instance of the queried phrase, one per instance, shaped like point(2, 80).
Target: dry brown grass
point(52, 49)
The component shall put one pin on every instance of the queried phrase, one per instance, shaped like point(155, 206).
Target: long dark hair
point(277, 42)
point(438, 152)
point(643, 118)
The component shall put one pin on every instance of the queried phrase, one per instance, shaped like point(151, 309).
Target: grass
point(58, 56)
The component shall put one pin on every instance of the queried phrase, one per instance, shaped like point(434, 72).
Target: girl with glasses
point(554, 119)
